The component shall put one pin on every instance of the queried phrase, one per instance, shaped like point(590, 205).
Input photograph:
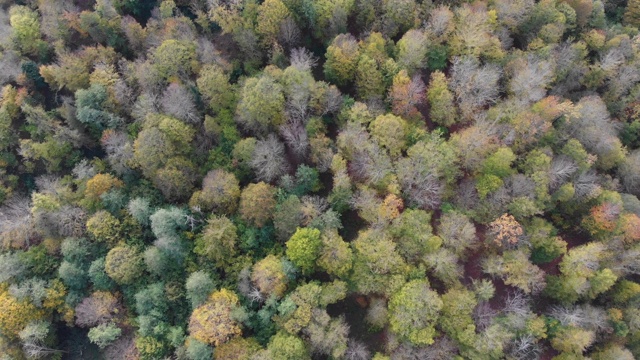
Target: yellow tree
point(212, 322)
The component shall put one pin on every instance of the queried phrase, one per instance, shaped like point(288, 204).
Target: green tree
point(199, 286)
point(413, 312)
point(336, 257)
point(342, 59)
point(175, 58)
point(218, 241)
point(104, 334)
point(441, 107)
point(368, 79)
point(124, 265)
point(287, 347)
point(213, 84)
point(26, 30)
point(412, 232)
point(261, 105)
point(303, 248)
point(271, 15)
point(390, 132)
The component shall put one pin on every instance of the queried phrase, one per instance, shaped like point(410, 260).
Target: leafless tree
point(99, 308)
point(513, 12)
point(357, 351)
point(483, 315)
point(474, 85)
point(517, 303)
point(16, 222)
point(268, 160)
point(584, 316)
point(531, 79)
point(587, 185)
point(147, 103)
point(524, 347)
point(207, 52)
point(561, 170)
point(9, 66)
point(289, 34)
point(457, 232)
point(629, 172)
point(178, 101)
point(421, 185)
point(119, 149)
point(302, 59)
point(440, 21)
point(611, 61)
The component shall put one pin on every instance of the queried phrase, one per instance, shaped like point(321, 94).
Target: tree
point(390, 132)
point(412, 232)
point(220, 193)
point(99, 308)
point(413, 312)
point(506, 231)
point(572, 340)
point(441, 107)
point(474, 85)
point(406, 94)
point(342, 59)
point(457, 232)
point(100, 184)
point(92, 108)
point(303, 248)
point(17, 315)
point(412, 51)
point(199, 286)
point(175, 58)
point(268, 160)
point(287, 347)
point(218, 241)
point(104, 227)
point(26, 30)
point(104, 334)
point(124, 264)
point(336, 257)
point(213, 84)
point(179, 102)
point(629, 172)
point(368, 79)
point(261, 105)
point(257, 203)
point(271, 17)
point(632, 13)
point(237, 349)
point(212, 322)
point(269, 277)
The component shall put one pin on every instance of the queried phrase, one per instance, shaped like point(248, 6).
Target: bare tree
point(629, 172)
point(440, 22)
point(177, 101)
point(119, 149)
point(524, 347)
point(302, 59)
point(561, 170)
point(357, 351)
point(16, 222)
point(531, 78)
point(289, 34)
point(9, 67)
point(475, 85)
point(268, 160)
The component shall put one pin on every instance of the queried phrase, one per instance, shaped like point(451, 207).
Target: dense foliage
point(320, 179)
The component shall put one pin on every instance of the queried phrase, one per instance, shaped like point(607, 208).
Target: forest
point(319, 179)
